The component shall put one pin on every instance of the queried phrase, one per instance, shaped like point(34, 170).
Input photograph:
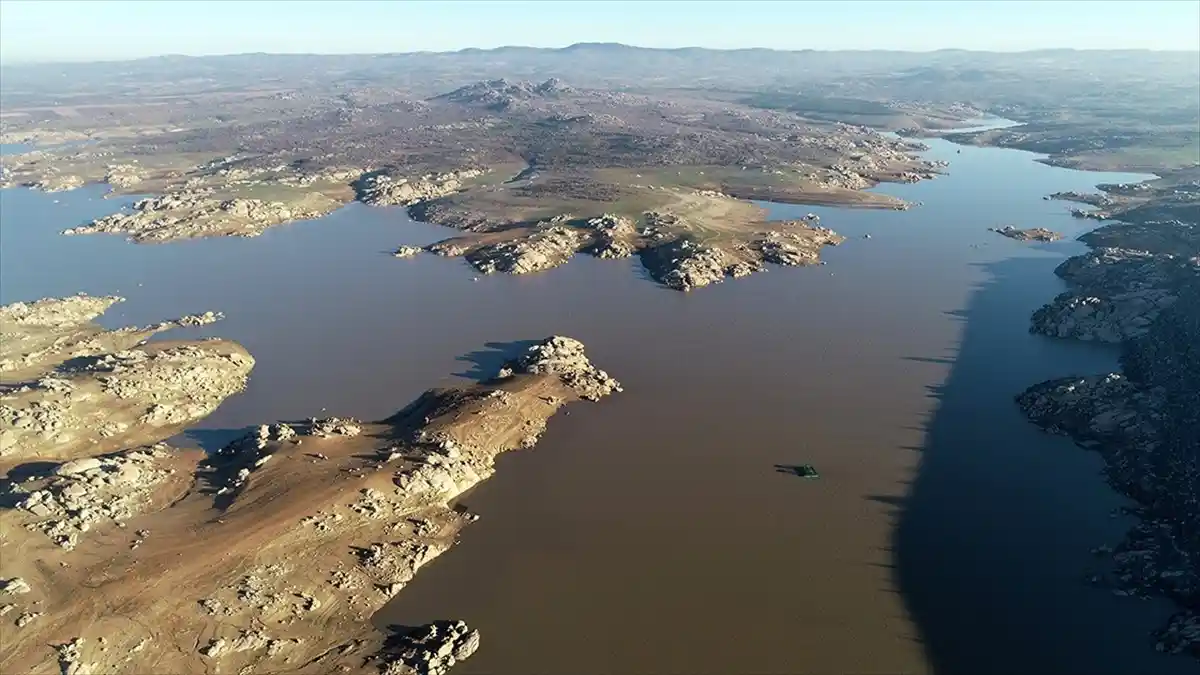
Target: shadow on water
point(485, 363)
point(991, 546)
point(210, 440)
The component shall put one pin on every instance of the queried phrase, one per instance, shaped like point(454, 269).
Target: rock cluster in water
point(407, 251)
point(1027, 234)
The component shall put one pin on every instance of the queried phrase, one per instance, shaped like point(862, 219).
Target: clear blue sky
point(93, 30)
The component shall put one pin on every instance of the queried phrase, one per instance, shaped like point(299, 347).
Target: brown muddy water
point(652, 533)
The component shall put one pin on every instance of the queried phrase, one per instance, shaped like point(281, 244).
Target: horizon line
point(10, 62)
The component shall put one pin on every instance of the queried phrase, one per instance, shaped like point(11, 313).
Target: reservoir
point(652, 533)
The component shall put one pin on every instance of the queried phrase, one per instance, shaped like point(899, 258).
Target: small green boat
point(807, 471)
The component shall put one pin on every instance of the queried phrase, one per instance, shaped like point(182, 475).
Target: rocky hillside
point(1145, 420)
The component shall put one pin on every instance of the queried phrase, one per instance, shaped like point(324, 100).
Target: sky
point(63, 30)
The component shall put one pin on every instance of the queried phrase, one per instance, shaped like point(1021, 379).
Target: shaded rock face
point(1173, 237)
point(1120, 270)
point(433, 649)
point(1116, 294)
point(1028, 234)
point(1115, 318)
point(1144, 422)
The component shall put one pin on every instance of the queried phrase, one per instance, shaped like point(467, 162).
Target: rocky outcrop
point(124, 175)
point(407, 251)
point(666, 242)
point(56, 182)
point(1028, 234)
point(1122, 419)
point(190, 214)
point(564, 357)
point(67, 501)
point(683, 264)
point(1114, 318)
point(1096, 199)
point(1171, 237)
point(155, 388)
point(796, 247)
point(52, 330)
point(334, 426)
point(1115, 294)
point(1120, 270)
point(450, 248)
point(501, 94)
point(65, 312)
point(385, 190)
point(548, 246)
point(615, 237)
point(75, 389)
point(1144, 420)
point(433, 649)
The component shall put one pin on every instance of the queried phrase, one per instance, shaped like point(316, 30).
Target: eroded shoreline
point(87, 542)
point(1139, 287)
point(672, 181)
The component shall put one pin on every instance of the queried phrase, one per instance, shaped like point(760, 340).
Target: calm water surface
point(651, 533)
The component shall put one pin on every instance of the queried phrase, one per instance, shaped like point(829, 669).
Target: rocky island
point(1027, 234)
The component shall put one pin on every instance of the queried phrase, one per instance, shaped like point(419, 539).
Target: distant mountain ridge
point(987, 78)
